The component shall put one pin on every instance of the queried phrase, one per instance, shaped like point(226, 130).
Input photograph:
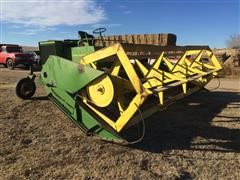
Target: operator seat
point(85, 37)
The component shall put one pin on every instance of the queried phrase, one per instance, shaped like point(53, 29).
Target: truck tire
point(10, 64)
point(25, 88)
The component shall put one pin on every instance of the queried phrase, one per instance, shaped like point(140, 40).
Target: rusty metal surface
point(144, 51)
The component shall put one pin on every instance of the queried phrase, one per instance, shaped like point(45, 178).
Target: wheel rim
point(9, 63)
point(26, 88)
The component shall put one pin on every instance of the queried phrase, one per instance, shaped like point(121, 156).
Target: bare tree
point(234, 41)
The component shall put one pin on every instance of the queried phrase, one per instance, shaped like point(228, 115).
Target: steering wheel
point(99, 31)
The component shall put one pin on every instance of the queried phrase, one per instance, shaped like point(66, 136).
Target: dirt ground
point(198, 137)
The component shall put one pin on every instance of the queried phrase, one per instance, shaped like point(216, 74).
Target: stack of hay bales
point(230, 59)
point(153, 39)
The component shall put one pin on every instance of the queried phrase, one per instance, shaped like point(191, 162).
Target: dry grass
point(199, 137)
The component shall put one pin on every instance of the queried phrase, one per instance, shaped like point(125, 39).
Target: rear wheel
point(10, 64)
point(25, 88)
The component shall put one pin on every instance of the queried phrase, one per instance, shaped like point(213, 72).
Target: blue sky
point(195, 22)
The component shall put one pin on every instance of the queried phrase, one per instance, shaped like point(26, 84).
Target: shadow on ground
point(21, 67)
point(191, 118)
point(180, 124)
point(41, 98)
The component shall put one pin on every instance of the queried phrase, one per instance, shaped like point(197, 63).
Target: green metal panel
point(78, 52)
point(67, 75)
point(68, 44)
point(48, 48)
point(81, 117)
point(67, 49)
point(62, 79)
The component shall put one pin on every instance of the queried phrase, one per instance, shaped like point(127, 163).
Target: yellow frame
point(157, 80)
point(141, 94)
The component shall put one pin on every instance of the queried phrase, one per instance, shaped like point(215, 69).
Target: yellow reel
point(101, 91)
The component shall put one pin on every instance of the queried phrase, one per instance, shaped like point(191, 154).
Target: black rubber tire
point(25, 88)
point(10, 64)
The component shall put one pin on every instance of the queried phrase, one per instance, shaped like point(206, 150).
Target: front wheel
point(10, 64)
point(25, 88)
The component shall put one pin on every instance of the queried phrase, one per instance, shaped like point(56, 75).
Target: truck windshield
point(14, 49)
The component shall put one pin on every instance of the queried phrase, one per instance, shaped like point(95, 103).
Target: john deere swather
point(105, 90)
